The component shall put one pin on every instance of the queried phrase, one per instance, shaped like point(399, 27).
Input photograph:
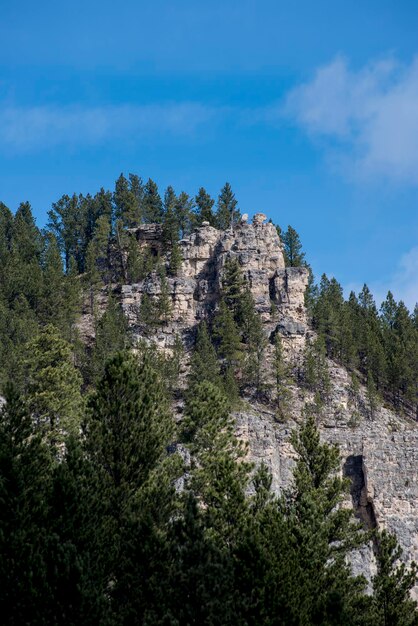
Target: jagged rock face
point(195, 291)
point(379, 455)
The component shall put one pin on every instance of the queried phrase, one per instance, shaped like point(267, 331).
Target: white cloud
point(367, 119)
point(27, 129)
point(403, 282)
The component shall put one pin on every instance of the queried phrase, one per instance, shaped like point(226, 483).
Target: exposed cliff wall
point(379, 455)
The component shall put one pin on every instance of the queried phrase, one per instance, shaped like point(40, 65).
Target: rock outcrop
point(379, 455)
point(194, 292)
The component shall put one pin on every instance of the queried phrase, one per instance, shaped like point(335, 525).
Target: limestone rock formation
point(379, 455)
point(194, 292)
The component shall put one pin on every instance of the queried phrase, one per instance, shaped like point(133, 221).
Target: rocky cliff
point(379, 455)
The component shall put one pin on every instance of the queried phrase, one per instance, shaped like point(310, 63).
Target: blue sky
point(309, 109)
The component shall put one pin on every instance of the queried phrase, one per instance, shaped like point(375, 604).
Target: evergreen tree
point(164, 305)
point(321, 533)
point(184, 214)
point(68, 222)
point(219, 473)
point(170, 199)
point(72, 294)
point(316, 373)
point(204, 206)
point(54, 386)
point(292, 249)
point(147, 313)
point(128, 429)
point(176, 260)
point(127, 198)
point(135, 261)
point(227, 213)
point(97, 265)
point(111, 337)
point(204, 363)
point(371, 352)
point(171, 227)
point(52, 305)
point(254, 339)
point(392, 604)
point(233, 287)
point(25, 479)
point(228, 339)
point(152, 204)
point(281, 376)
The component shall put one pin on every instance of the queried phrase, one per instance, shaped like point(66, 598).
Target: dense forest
point(114, 511)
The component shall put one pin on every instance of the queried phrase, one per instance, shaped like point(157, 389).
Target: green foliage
point(152, 204)
point(128, 429)
point(281, 378)
point(292, 248)
point(25, 478)
point(128, 199)
point(164, 305)
point(184, 213)
point(204, 364)
point(53, 387)
point(315, 370)
point(111, 337)
point(204, 206)
point(323, 531)
point(232, 286)
point(227, 213)
point(255, 341)
point(392, 604)
point(176, 260)
point(227, 336)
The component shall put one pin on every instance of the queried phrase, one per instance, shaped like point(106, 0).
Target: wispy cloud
point(403, 282)
point(28, 129)
point(367, 120)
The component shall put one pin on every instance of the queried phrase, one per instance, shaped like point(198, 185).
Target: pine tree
point(129, 400)
point(176, 260)
point(392, 604)
point(316, 373)
point(281, 376)
point(54, 386)
point(204, 363)
point(228, 339)
point(51, 306)
point(68, 222)
point(227, 214)
point(25, 258)
point(255, 341)
point(147, 313)
point(204, 205)
point(25, 480)
point(321, 533)
point(152, 204)
point(292, 249)
point(111, 337)
point(170, 199)
point(127, 198)
point(170, 232)
point(134, 262)
point(164, 304)
point(73, 294)
point(97, 262)
point(219, 474)
point(128, 430)
point(184, 214)
point(372, 397)
point(233, 286)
